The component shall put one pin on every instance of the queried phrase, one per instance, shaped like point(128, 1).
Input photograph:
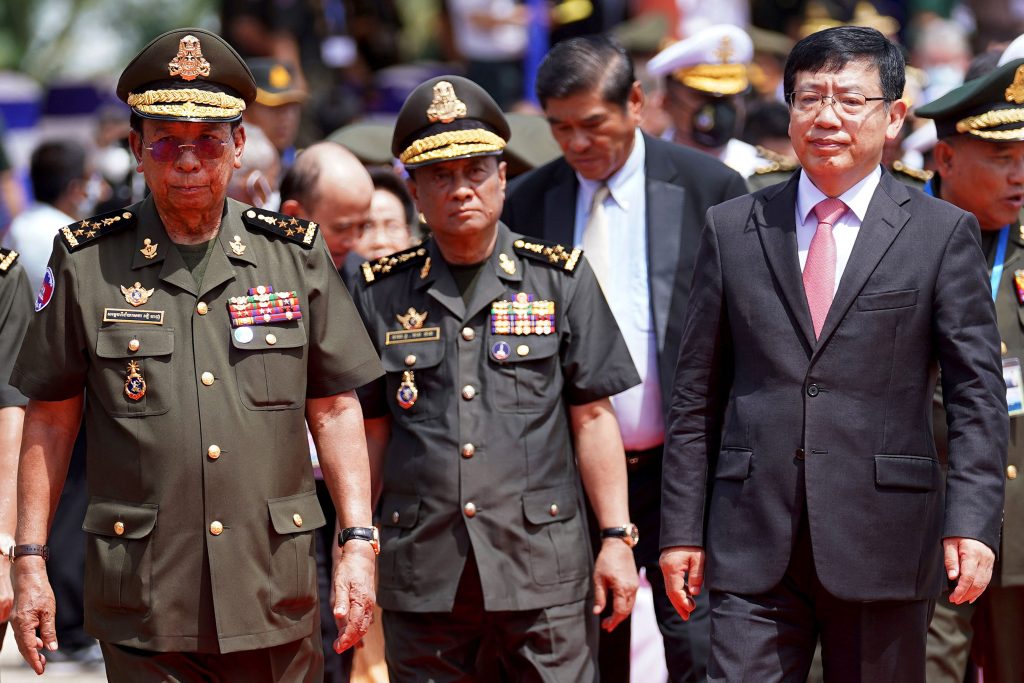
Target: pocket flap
point(293, 514)
point(106, 517)
point(550, 505)
point(883, 300)
point(523, 347)
point(733, 463)
point(399, 510)
point(282, 336)
point(112, 342)
point(907, 472)
point(415, 356)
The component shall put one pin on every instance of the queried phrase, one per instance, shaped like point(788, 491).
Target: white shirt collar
point(618, 181)
point(857, 198)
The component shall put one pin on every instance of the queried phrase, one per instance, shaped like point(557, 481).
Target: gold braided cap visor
point(984, 125)
point(186, 104)
point(453, 144)
point(722, 79)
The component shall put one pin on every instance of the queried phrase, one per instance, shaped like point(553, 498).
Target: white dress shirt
point(639, 409)
point(845, 230)
point(31, 235)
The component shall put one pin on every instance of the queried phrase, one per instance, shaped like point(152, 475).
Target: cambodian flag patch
point(45, 290)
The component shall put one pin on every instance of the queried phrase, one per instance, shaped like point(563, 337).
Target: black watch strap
point(30, 549)
point(360, 533)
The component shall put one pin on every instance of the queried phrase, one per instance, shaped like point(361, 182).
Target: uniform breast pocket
point(417, 371)
point(133, 370)
point(270, 366)
point(526, 377)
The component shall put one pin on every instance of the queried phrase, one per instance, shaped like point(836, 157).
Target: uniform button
point(271, 339)
point(297, 519)
point(468, 334)
point(1011, 472)
point(410, 360)
point(119, 528)
point(134, 345)
point(468, 392)
point(469, 509)
point(395, 517)
point(1002, 348)
point(216, 528)
point(213, 451)
point(799, 454)
point(812, 390)
point(202, 308)
point(468, 450)
point(553, 510)
point(207, 378)
point(523, 350)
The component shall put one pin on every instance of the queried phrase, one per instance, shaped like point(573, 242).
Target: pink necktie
point(820, 267)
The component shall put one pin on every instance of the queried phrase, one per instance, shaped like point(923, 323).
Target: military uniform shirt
point(202, 503)
point(484, 457)
point(15, 312)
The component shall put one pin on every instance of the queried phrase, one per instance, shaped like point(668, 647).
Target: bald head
point(328, 185)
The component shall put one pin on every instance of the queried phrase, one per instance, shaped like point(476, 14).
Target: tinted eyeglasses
point(166, 150)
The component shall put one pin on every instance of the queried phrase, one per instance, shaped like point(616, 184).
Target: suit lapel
point(560, 208)
point(883, 221)
point(775, 218)
point(665, 203)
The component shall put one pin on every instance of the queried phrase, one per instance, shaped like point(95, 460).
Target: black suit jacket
point(764, 417)
point(682, 184)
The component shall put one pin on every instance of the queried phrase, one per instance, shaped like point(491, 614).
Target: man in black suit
point(820, 313)
point(654, 195)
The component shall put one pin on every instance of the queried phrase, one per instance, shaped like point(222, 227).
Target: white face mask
point(93, 194)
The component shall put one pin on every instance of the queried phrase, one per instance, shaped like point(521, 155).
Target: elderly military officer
point(203, 332)
point(500, 354)
point(980, 163)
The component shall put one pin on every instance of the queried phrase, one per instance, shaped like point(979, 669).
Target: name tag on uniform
point(408, 336)
point(1014, 391)
point(126, 315)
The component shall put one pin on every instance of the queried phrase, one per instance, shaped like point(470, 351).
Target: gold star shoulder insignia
point(552, 254)
point(292, 229)
point(376, 270)
point(80, 233)
point(8, 257)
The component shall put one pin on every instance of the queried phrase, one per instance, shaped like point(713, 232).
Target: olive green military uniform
point(202, 506)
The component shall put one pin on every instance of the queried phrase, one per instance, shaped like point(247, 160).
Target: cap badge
point(279, 77)
point(412, 320)
point(445, 107)
point(189, 62)
point(1015, 93)
point(725, 52)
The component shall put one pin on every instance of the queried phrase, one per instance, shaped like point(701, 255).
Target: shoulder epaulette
point(553, 254)
point(77, 235)
point(915, 173)
point(784, 166)
point(377, 269)
point(7, 259)
point(297, 230)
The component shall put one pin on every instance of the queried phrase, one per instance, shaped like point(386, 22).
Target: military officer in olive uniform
point(205, 334)
point(15, 311)
point(500, 353)
point(980, 162)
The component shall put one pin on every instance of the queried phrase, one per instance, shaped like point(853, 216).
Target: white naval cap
point(713, 60)
point(1014, 50)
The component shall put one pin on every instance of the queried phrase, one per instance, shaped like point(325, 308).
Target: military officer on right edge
point(500, 354)
point(980, 164)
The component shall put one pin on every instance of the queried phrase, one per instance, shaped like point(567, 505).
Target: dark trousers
point(771, 636)
point(469, 644)
point(686, 642)
point(337, 668)
point(999, 625)
point(66, 569)
point(299, 661)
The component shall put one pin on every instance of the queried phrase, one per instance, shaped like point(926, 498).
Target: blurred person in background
point(491, 36)
point(278, 106)
point(393, 224)
point(942, 51)
point(256, 181)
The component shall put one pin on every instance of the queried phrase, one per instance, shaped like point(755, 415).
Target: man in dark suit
point(655, 195)
point(801, 410)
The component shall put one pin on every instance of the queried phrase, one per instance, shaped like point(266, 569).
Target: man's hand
point(354, 597)
point(34, 607)
point(615, 571)
point(683, 569)
point(969, 563)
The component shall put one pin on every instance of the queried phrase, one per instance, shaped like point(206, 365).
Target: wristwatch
point(629, 534)
point(361, 533)
point(30, 549)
